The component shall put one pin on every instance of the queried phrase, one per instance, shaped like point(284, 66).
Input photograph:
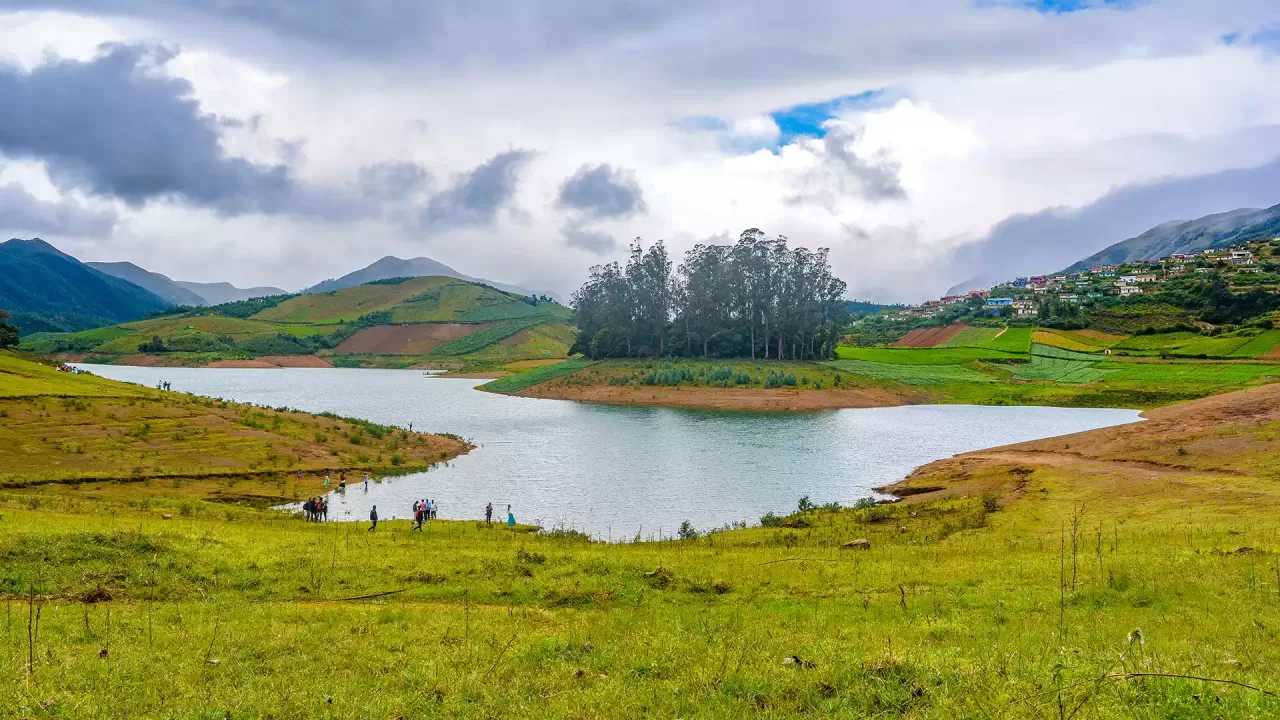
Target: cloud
point(1055, 238)
point(22, 213)
point(393, 181)
point(847, 170)
point(117, 126)
point(592, 241)
point(476, 197)
point(602, 192)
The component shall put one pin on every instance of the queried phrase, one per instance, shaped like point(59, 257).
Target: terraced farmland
point(912, 374)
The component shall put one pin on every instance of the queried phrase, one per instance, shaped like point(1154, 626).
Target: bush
point(805, 505)
point(770, 519)
point(687, 531)
point(990, 502)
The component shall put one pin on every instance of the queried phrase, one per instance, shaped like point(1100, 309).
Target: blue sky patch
point(1267, 37)
point(1059, 7)
point(807, 119)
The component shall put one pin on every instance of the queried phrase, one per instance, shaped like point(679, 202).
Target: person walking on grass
point(511, 519)
point(488, 515)
point(373, 518)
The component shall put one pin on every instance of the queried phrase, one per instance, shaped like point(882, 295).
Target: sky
point(925, 142)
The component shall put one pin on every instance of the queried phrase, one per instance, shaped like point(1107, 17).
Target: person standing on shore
point(373, 518)
point(488, 515)
point(511, 519)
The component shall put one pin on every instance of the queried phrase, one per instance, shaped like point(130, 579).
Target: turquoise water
point(616, 472)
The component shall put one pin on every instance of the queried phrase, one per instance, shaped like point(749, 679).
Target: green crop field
point(1058, 369)
point(448, 302)
point(479, 340)
point(1223, 346)
point(1211, 373)
point(513, 310)
point(911, 374)
point(1012, 340)
point(923, 356)
point(1057, 352)
point(349, 303)
point(1162, 341)
point(971, 336)
point(1259, 344)
point(535, 376)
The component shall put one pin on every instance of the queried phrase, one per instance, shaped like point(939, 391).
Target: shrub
point(770, 519)
point(805, 505)
point(990, 502)
point(687, 531)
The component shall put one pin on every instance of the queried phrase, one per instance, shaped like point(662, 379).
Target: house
point(1020, 282)
point(1202, 270)
point(1126, 290)
point(1069, 298)
point(1000, 302)
point(1241, 257)
point(1127, 279)
point(979, 293)
point(1037, 280)
point(1249, 270)
point(1144, 279)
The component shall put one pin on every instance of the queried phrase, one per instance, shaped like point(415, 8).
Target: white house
point(1126, 290)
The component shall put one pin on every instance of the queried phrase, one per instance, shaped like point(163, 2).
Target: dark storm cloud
point(592, 241)
point(116, 126)
point(476, 197)
point(22, 213)
point(602, 192)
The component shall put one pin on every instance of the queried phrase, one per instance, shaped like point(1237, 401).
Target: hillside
point(393, 267)
point(48, 290)
point(1185, 237)
point(155, 282)
point(404, 322)
point(1120, 573)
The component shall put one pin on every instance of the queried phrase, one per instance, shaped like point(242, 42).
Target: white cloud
point(1002, 111)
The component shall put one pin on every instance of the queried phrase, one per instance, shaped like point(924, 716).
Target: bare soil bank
point(728, 398)
point(1218, 451)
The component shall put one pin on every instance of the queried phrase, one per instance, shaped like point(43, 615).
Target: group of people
point(163, 386)
point(423, 510)
point(317, 509)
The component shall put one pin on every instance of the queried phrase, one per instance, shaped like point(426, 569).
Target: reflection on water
point(616, 472)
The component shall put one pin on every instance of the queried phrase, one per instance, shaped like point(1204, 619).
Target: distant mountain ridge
point(155, 282)
point(223, 292)
point(48, 290)
point(178, 292)
point(1189, 236)
point(394, 267)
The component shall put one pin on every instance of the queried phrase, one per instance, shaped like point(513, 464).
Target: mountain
point(1189, 236)
point(221, 292)
point(47, 290)
point(393, 267)
point(155, 282)
point(978, 282)
point(398, 322)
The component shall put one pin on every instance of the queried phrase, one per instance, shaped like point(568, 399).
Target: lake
point(619, 472)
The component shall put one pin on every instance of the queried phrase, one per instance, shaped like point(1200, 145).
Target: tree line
point(756, 298)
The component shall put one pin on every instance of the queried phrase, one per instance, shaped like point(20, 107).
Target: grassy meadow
point(1036, 589)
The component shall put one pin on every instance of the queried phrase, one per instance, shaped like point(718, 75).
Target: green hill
point(398, 322)
point(47, 290)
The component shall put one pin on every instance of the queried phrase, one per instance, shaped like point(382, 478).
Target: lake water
point(616, 472)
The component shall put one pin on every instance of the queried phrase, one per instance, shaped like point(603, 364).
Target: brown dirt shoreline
point(728, 398)
point(1217, 451)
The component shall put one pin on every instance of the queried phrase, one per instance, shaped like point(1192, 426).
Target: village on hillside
point(1246, 267)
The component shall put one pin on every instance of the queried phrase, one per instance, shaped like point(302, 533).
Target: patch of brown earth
point(418, 339)
point(929, 337)
point(1220, 449)
point(727, 398)
point(517, 339)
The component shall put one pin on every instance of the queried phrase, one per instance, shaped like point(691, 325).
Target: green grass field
point(1058, 369)
point(912, 374)
point(1012, 340)
point(534, 376)
point(1260, 344)
point(924, 356)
